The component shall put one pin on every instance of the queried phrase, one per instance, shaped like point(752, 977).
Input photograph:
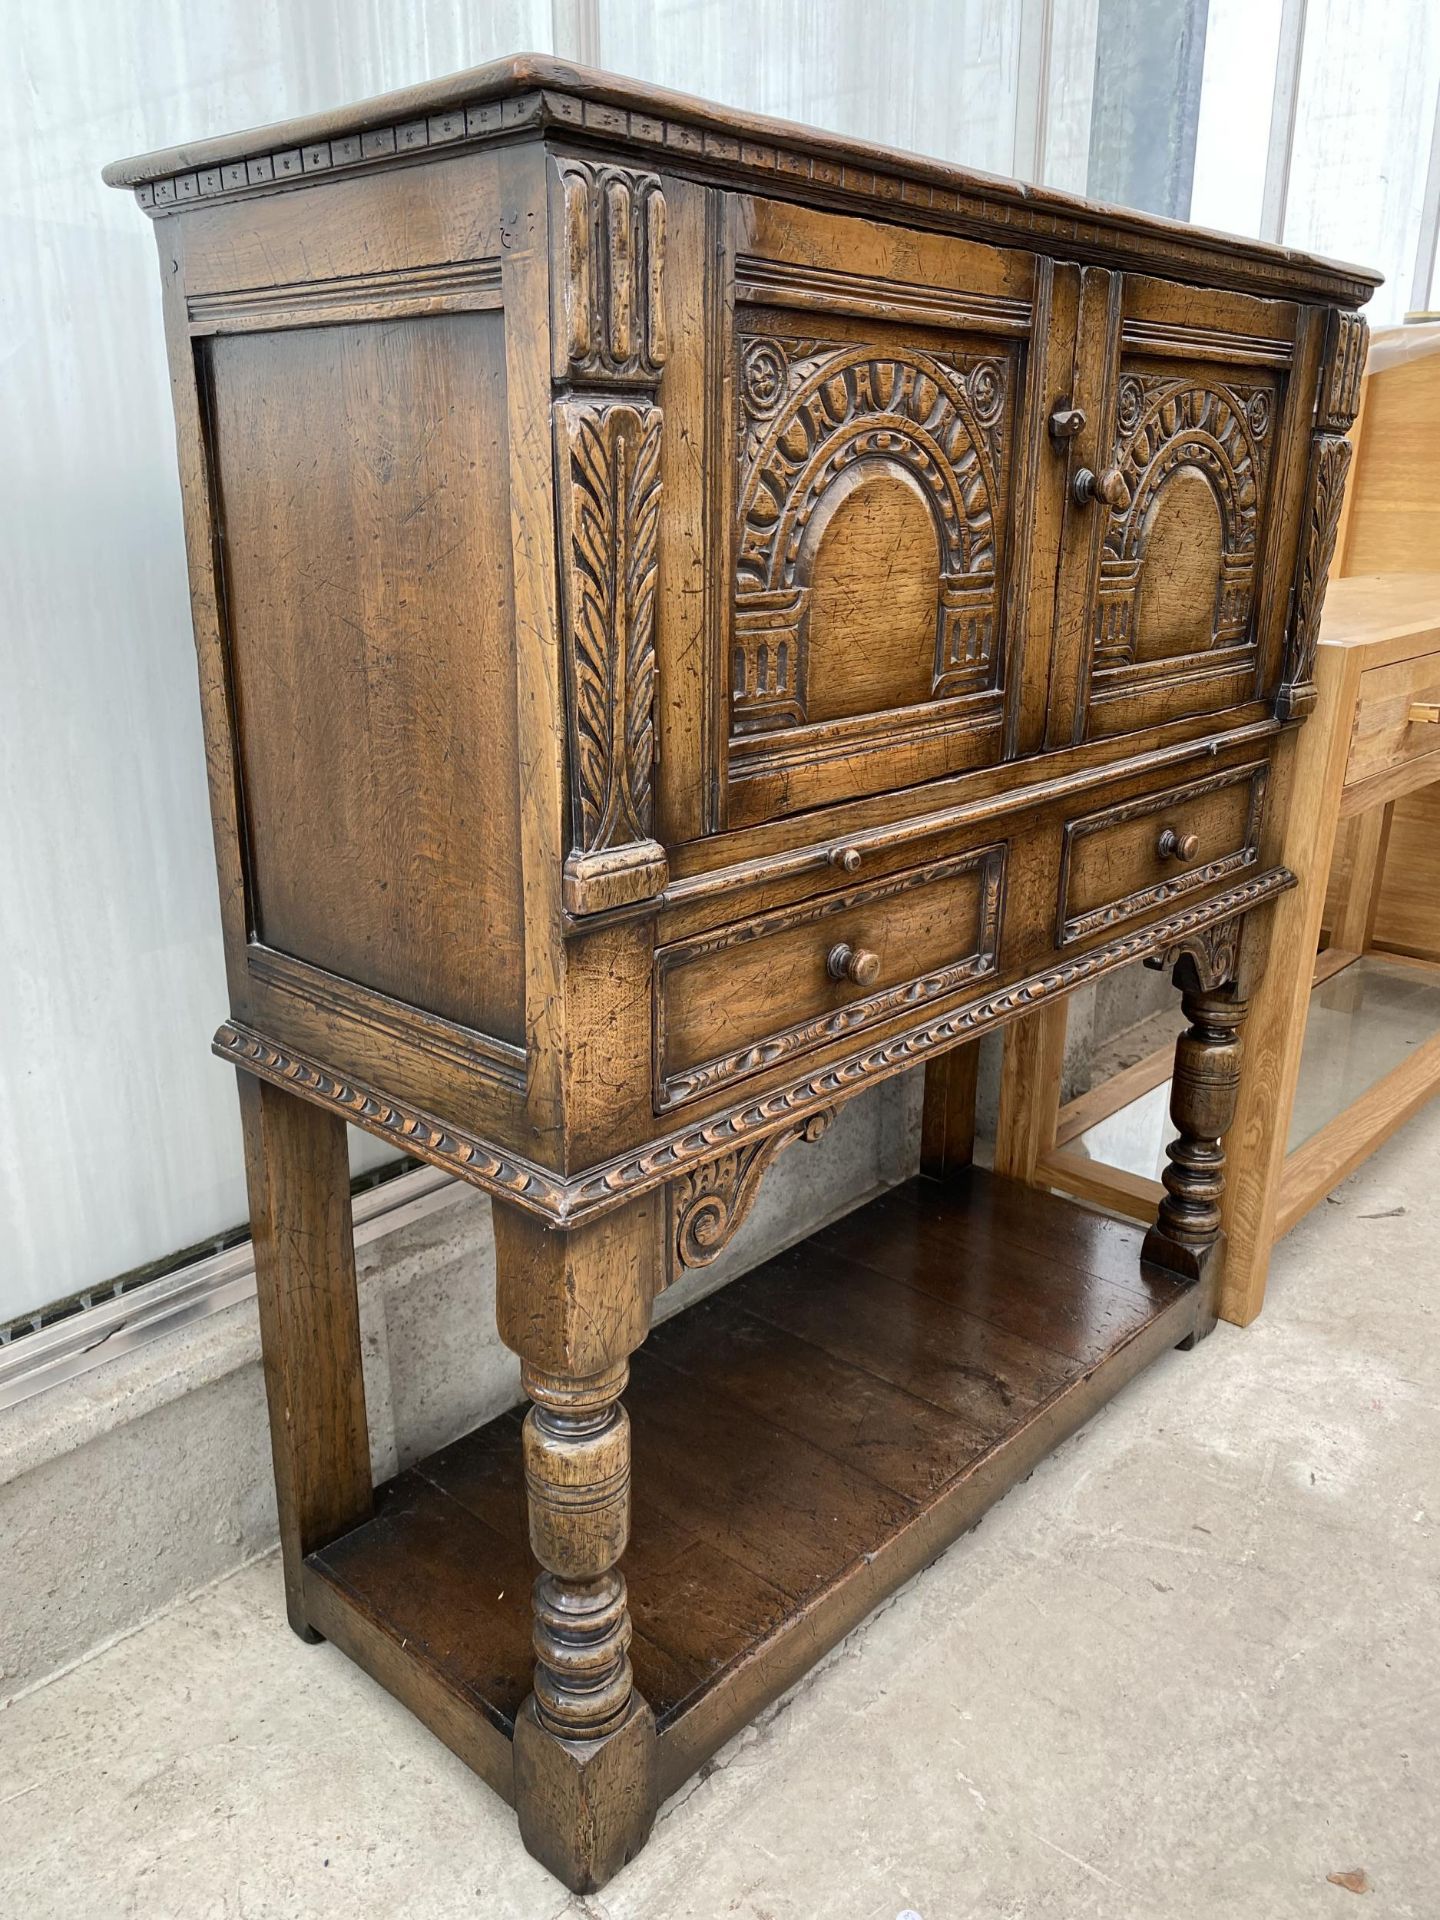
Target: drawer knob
point(853, 963)
point(1177, 846)
point(1424, 713)
point(846, 858)
point(1108, 487)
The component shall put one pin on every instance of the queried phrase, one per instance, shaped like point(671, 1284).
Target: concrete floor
point(1192, 1668)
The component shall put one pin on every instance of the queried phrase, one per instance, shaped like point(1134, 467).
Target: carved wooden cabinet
point(696, 617)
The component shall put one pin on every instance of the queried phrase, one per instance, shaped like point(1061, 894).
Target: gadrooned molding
point(510, 1176)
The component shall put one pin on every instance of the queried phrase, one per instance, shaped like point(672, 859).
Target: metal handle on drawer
point(1108, 486)
point(857, 964)
point(1177, 846)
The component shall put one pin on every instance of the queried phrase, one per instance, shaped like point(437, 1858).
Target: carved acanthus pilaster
point(1347, 343)
point(608, 462)
point(1329, 464)
point(1336, 404)
point(610, 319)
point(708, 1204)
point(609, 334)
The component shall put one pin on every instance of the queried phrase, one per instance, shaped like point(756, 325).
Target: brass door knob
point(1108, 487)
point(853, 963)
point(1177, 846)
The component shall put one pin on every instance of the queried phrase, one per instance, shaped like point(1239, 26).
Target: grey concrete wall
point(150, 1475)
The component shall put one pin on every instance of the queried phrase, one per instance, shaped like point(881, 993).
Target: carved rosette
point(708, 1204)
point(609, 330)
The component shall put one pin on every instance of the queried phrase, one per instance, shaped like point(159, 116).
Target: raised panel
point(1182, 614)
point(874, 496)
point(1178, 559)
point(878, 406)
point(362, 480)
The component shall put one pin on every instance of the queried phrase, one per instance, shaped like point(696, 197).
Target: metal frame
point(84, 1340)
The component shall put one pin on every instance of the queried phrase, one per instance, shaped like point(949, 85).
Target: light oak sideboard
point(696, 617)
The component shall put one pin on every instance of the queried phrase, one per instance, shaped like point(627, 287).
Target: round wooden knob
point(1108, 486)
point(1177, 846)
point(854, 963)
point(846, 858)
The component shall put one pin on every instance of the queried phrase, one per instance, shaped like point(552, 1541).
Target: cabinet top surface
point(527, 92)
point(1395, 613)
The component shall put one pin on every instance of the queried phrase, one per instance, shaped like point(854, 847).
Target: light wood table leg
point(1355, 923)
point(1276, 970)
point(299, 1179)
point(1030, 1090)
point(947, 1127)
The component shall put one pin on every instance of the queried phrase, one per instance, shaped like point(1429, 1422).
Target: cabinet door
point(1171, 600)
point(880, 406)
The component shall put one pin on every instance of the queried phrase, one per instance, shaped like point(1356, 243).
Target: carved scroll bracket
point(708, 1204)
point(1205, 960)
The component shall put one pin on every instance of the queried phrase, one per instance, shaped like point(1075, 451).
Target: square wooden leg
point(947, 1128)
point(299, 1180)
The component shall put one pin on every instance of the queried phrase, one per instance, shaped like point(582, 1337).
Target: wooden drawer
point(751, 995)
point(1385, 735)
point(1129, 859)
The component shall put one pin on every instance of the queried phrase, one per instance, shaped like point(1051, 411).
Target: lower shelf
point(803, 1443)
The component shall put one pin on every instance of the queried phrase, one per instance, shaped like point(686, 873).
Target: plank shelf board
point(804, 1441)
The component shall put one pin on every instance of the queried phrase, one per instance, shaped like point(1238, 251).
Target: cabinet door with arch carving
point(890, 531)
point(1173, 581)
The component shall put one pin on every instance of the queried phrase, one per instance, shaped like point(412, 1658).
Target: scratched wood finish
point(696, 618)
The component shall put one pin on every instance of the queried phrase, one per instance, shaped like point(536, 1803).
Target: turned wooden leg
point(299, 1180)
point(573, 1305)
point(1186, 1237)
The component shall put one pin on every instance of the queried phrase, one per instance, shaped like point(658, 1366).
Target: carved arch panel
point(819, 423)
point(1179, 556)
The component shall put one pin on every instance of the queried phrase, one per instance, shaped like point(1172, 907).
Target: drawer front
point(748, 997)
point(1397, 718)
point(1130, 859)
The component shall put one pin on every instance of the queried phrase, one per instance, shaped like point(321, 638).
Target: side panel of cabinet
point(855, 438)
point(357, 369)
point(1173, 589)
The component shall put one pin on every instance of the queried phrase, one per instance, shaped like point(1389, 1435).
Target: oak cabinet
point(696, 617)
